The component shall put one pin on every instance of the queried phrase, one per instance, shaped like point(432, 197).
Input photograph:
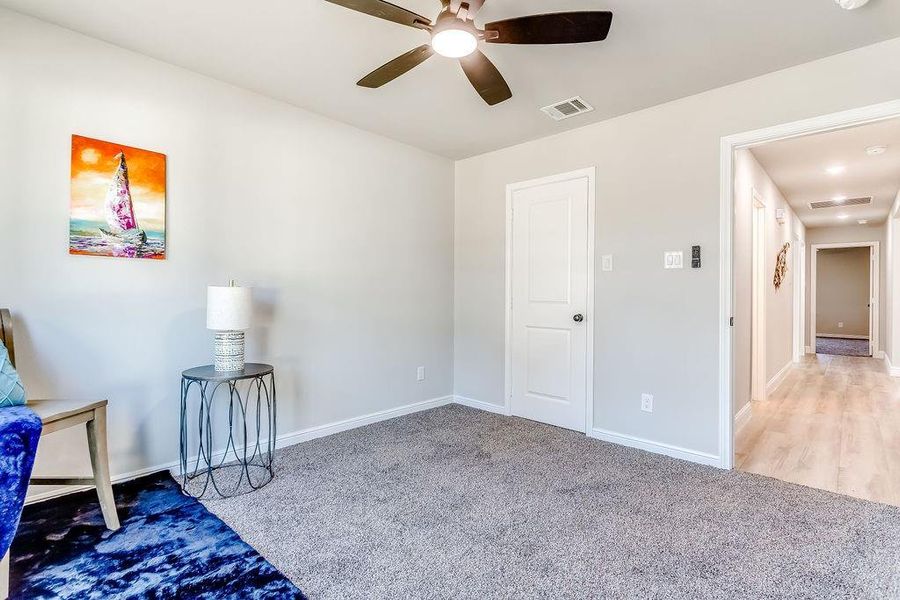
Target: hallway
point(834, 424)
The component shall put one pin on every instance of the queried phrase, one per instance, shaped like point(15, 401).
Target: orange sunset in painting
point(118, 200)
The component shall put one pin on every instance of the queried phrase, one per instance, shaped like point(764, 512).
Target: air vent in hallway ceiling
point(839, 203)
point(567, 108)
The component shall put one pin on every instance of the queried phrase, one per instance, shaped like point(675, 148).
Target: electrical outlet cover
point(647, 402)
point(606, 262)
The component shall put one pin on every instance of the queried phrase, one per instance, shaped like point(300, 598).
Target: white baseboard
point(481, 405)
point(281, 441)
point(743, 416)
point(616, 438)
point(695, 456)
point(71, 489)
point(810, 350)
point(842, 336)
point(893, 371)
point(778, 378)
point(879, 354)
point(311, 433)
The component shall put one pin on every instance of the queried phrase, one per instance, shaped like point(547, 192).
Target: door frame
point(590, 174)
point(727, 147)
point(758, 289)
point(874, 287)
point(799, 297)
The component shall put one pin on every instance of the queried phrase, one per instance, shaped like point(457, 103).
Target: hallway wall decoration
point(781, 266)
point(117, 200)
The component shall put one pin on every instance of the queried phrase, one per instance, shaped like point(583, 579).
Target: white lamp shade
point(228, 308)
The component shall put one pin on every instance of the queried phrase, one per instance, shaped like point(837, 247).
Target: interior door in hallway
point(550, 323)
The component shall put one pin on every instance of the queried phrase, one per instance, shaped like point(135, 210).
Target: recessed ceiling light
point(835, 169)
point(862, 221)
point(842, 216)
point(876, 150)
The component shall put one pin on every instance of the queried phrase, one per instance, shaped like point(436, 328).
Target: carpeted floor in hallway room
point(842, 346)
point(459, 503)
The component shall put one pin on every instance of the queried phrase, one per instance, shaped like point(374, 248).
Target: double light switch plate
point(674, 260)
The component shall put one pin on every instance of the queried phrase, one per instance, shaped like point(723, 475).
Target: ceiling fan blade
point(387, 11)
point(485, 78)
point(397, 67)
point(554, 28)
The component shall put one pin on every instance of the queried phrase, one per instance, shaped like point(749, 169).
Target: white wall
point(843, 234)
point(657, 189)
point(891, 258)
point(345, 236)
point(749, 175)
point(842, 292)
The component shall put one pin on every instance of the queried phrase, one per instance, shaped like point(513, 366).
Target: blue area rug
point(169, 546)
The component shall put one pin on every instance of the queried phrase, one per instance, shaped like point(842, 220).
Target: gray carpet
point(459, 503)
point(842, 347)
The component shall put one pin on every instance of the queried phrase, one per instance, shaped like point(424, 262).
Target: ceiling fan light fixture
point(454, 43)
point(851, 4)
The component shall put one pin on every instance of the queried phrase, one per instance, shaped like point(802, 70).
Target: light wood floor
point(834, 424)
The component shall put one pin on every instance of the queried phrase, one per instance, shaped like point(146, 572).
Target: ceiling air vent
point(567, 108)
point(839, 203)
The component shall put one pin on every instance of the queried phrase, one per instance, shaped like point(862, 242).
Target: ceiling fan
point(454, 35)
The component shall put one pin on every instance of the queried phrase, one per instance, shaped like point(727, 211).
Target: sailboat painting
point(118, 200)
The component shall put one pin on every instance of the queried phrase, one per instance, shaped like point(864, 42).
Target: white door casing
point(727, 147)
point(874, 290)
point(799, 312)
point(550, 324)
point(873, 301)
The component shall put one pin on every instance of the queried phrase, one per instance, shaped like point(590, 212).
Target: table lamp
point(228, 314)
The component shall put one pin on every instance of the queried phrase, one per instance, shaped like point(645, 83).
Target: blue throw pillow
point(11, 391)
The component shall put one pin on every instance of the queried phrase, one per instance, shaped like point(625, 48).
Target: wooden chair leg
point(96, 431)
point(4, 577)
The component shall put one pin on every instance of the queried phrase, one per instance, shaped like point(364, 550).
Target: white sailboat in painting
point(123, 226)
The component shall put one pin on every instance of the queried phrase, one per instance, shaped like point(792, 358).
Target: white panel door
point(549, 289)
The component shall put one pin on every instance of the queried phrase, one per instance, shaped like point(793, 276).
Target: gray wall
point(748, 176)
point(345, 236)
point(657, 189)
point(842, 292)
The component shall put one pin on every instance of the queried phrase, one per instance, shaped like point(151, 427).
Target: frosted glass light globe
point(454, 43)
point(851, 4)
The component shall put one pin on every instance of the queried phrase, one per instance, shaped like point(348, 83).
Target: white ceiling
point(798, 167)
point(310, 53)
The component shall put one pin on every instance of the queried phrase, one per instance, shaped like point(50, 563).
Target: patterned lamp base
point(229, 354)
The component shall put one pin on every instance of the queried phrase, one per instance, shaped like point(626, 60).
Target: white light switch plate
point(674, 260)
point(606, 262)
point(420, 374)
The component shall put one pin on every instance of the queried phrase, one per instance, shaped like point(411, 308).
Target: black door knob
point(578, 318)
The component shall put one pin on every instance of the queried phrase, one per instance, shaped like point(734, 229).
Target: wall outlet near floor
point(420, 374)
point(647, 402)
point(840, 324)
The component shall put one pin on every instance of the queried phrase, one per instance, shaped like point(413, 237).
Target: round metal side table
point(249, 449)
